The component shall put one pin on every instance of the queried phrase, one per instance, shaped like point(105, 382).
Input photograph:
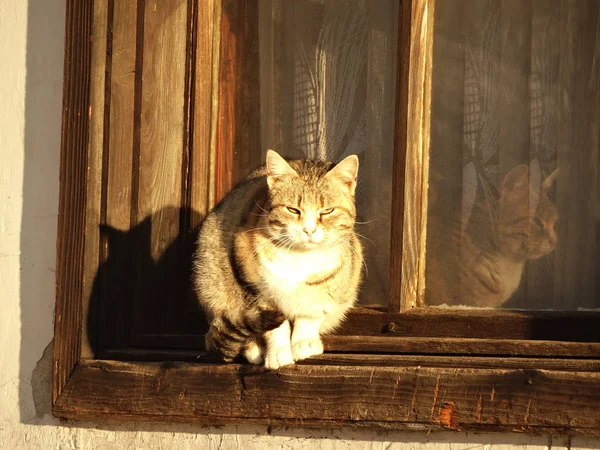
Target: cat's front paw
point(305, 348)
point(253, 353)
point(278, 357)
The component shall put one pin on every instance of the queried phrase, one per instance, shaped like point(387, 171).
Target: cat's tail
point(229, 337)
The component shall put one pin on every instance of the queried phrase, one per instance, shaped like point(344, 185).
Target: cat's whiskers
point(280, 241)
point(260, 207)
point(365, 238)
point(255, 229)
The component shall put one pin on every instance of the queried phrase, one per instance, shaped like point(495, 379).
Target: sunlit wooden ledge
point(414, 397)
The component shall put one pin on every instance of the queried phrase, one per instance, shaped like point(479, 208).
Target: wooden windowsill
point(411, 397)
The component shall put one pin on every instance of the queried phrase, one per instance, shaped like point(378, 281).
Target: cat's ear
point(550, 179)
point(346, 171)
point(516, 182)
point(277, 168)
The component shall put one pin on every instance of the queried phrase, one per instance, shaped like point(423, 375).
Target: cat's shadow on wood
point(142, 294)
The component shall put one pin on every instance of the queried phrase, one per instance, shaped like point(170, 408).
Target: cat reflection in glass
point(278, 263)
point(482, 266)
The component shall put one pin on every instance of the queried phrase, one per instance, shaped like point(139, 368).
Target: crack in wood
point(526, 418)
point(396, 384)
point(436, 391)
point(479, 407)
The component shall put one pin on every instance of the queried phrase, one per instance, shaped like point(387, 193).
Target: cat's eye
point(293, 210)
point(326, 211)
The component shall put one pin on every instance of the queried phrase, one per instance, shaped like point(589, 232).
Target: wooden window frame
point(410, 369)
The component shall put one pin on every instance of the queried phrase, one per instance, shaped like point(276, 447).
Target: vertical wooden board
point(202, 110)
point(395, 299)
point(91, 256)
point(73, 191)
point(161, 149)
point(162, 118)
point(543, 110)
point(416, 132)
point(238, 127)
point(121, 103)
point(446, 152)
point(112, 290)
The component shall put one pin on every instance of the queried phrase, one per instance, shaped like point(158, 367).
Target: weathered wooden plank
point(120, 124)
point(461, 346)
point(158, 167)
point(203, 91)
point(73, 192)
point(94, 180)
point(412, 136)
point(377, 359)
point(539, 334)
point(238, 128)
point(110, 310)
point(162, 118)
point(579, 327)
point(391, 397)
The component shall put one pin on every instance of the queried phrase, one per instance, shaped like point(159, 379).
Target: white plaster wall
point(31, 51)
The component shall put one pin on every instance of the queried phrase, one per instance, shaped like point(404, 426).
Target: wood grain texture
point(203, 89)
point(108, 311)
point(382, 359)
point(385, 397)
point(238, 128)
point(94, 181)
point(488, 324)
point(400, 154)
point(162, 144)
point(121, 110)
point(73, 192)
point(386, 348)
point(412, 135)
point(443, 332)
point(162, 117)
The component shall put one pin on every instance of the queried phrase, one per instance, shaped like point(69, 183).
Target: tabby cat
point(483, 263)
point(278, 263)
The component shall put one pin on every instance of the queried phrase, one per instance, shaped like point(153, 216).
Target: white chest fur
point(284, 276)
point(510, 272)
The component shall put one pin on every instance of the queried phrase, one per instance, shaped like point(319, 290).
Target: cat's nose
point(309, 229)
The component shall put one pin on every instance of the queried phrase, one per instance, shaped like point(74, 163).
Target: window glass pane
point(514, 183)
point(327, 90)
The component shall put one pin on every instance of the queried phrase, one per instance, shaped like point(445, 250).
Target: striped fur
point(279, 253)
